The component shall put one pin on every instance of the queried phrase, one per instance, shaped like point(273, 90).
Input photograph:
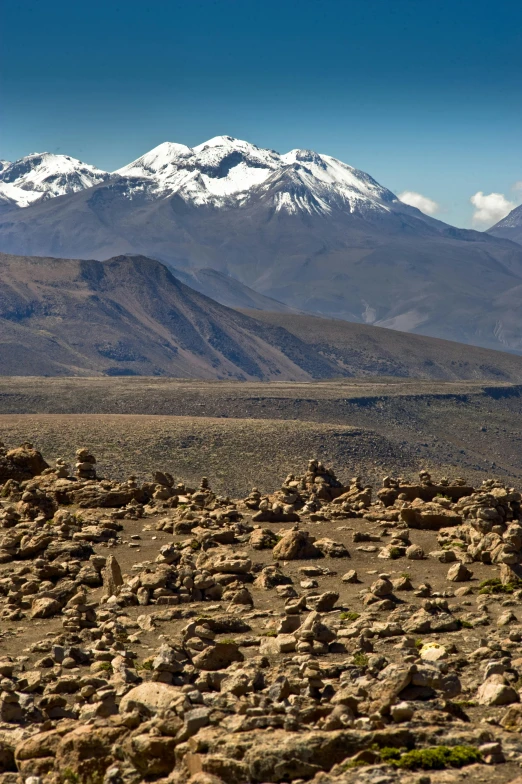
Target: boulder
point(112, 576)
point(458, 573)
point(262, 539)
point(218, 656)
point(45, 607)
point(151, 755)
point(35, 755)
point(429, 516)
point(21, 464)
point(88, 751)
point(495, 691)
point(382, 587)
point(296, 545)
point(150, 698)
point(331, 549)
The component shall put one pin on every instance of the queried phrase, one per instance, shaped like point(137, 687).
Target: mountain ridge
point(510, 227)
point(130, 315)
point(301, 228)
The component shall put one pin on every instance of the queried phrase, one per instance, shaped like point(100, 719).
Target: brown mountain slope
point(363, 350)
point(229, 291)
point(394, 268)
point(131, 316)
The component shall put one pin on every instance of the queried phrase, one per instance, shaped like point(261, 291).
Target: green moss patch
point(434, 758)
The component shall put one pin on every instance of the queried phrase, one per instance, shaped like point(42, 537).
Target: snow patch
point(223, 172)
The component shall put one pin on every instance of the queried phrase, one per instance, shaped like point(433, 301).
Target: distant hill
point(130, 316)
point(362, 350)
point(229, 291)
point(510, 227)
point(301, 228)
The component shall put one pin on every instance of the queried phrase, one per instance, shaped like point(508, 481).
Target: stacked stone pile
point(235, 651)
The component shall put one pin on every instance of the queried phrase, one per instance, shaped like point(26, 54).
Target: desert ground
point(163, 621)
point(240, 434)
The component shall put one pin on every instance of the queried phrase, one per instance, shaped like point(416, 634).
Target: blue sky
point(425, 95)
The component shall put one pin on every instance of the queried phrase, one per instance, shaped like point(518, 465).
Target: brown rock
point(151, 755)
point(150, 698)
point(88, 751)
point(495, 691)
point(218, 656)
point(21, 463)
point(458, 573)
point(429, 516)
point(296, 545)
point(112, 576)
point(414, 552)
point(323, 602)
point(45, 608)
point(382, 587)
point(262, 539)
point(35, 755)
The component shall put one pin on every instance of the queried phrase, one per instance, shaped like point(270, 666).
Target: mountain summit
point(221, 172)
point(225, 171)
point(45, 175)
point(509, 227)
point(301, 228)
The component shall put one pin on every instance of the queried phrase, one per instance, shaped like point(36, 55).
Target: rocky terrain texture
point(252, 433)
point(155, 631)
point(131, 316)
point(362, 350)
point(302, 228)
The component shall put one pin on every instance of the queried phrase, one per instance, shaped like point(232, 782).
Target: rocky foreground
point(157, 632)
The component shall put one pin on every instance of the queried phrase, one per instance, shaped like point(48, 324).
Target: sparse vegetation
point(434, 758)
point(70, 777)
point(495, 586)
point(349, 616)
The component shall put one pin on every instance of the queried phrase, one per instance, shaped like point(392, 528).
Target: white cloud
point(517, 186)
point(422, 203)
point(490, 208)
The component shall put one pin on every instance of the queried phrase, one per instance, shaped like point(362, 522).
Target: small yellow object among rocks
point(433, 651)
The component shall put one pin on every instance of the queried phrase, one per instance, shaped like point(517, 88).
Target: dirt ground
point(243, 434)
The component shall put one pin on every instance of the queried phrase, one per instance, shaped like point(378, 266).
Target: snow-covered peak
point(44, 175)
point(512, 220)
point(159, 161)
point(221, 172)
point(225, 142)
point(4, 164)
point(344, 178)
point(208, 173)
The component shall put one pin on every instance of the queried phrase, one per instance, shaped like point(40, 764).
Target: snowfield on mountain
point(305, 229)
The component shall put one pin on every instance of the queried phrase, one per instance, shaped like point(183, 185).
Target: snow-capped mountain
point(509, 227)
point(226, 172)
point(302, 228)
point(45, 175)
point(222, 172)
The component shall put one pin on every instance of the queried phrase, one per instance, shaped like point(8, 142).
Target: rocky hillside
point(363, 350)
point(131, 316)
point(325, 632)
